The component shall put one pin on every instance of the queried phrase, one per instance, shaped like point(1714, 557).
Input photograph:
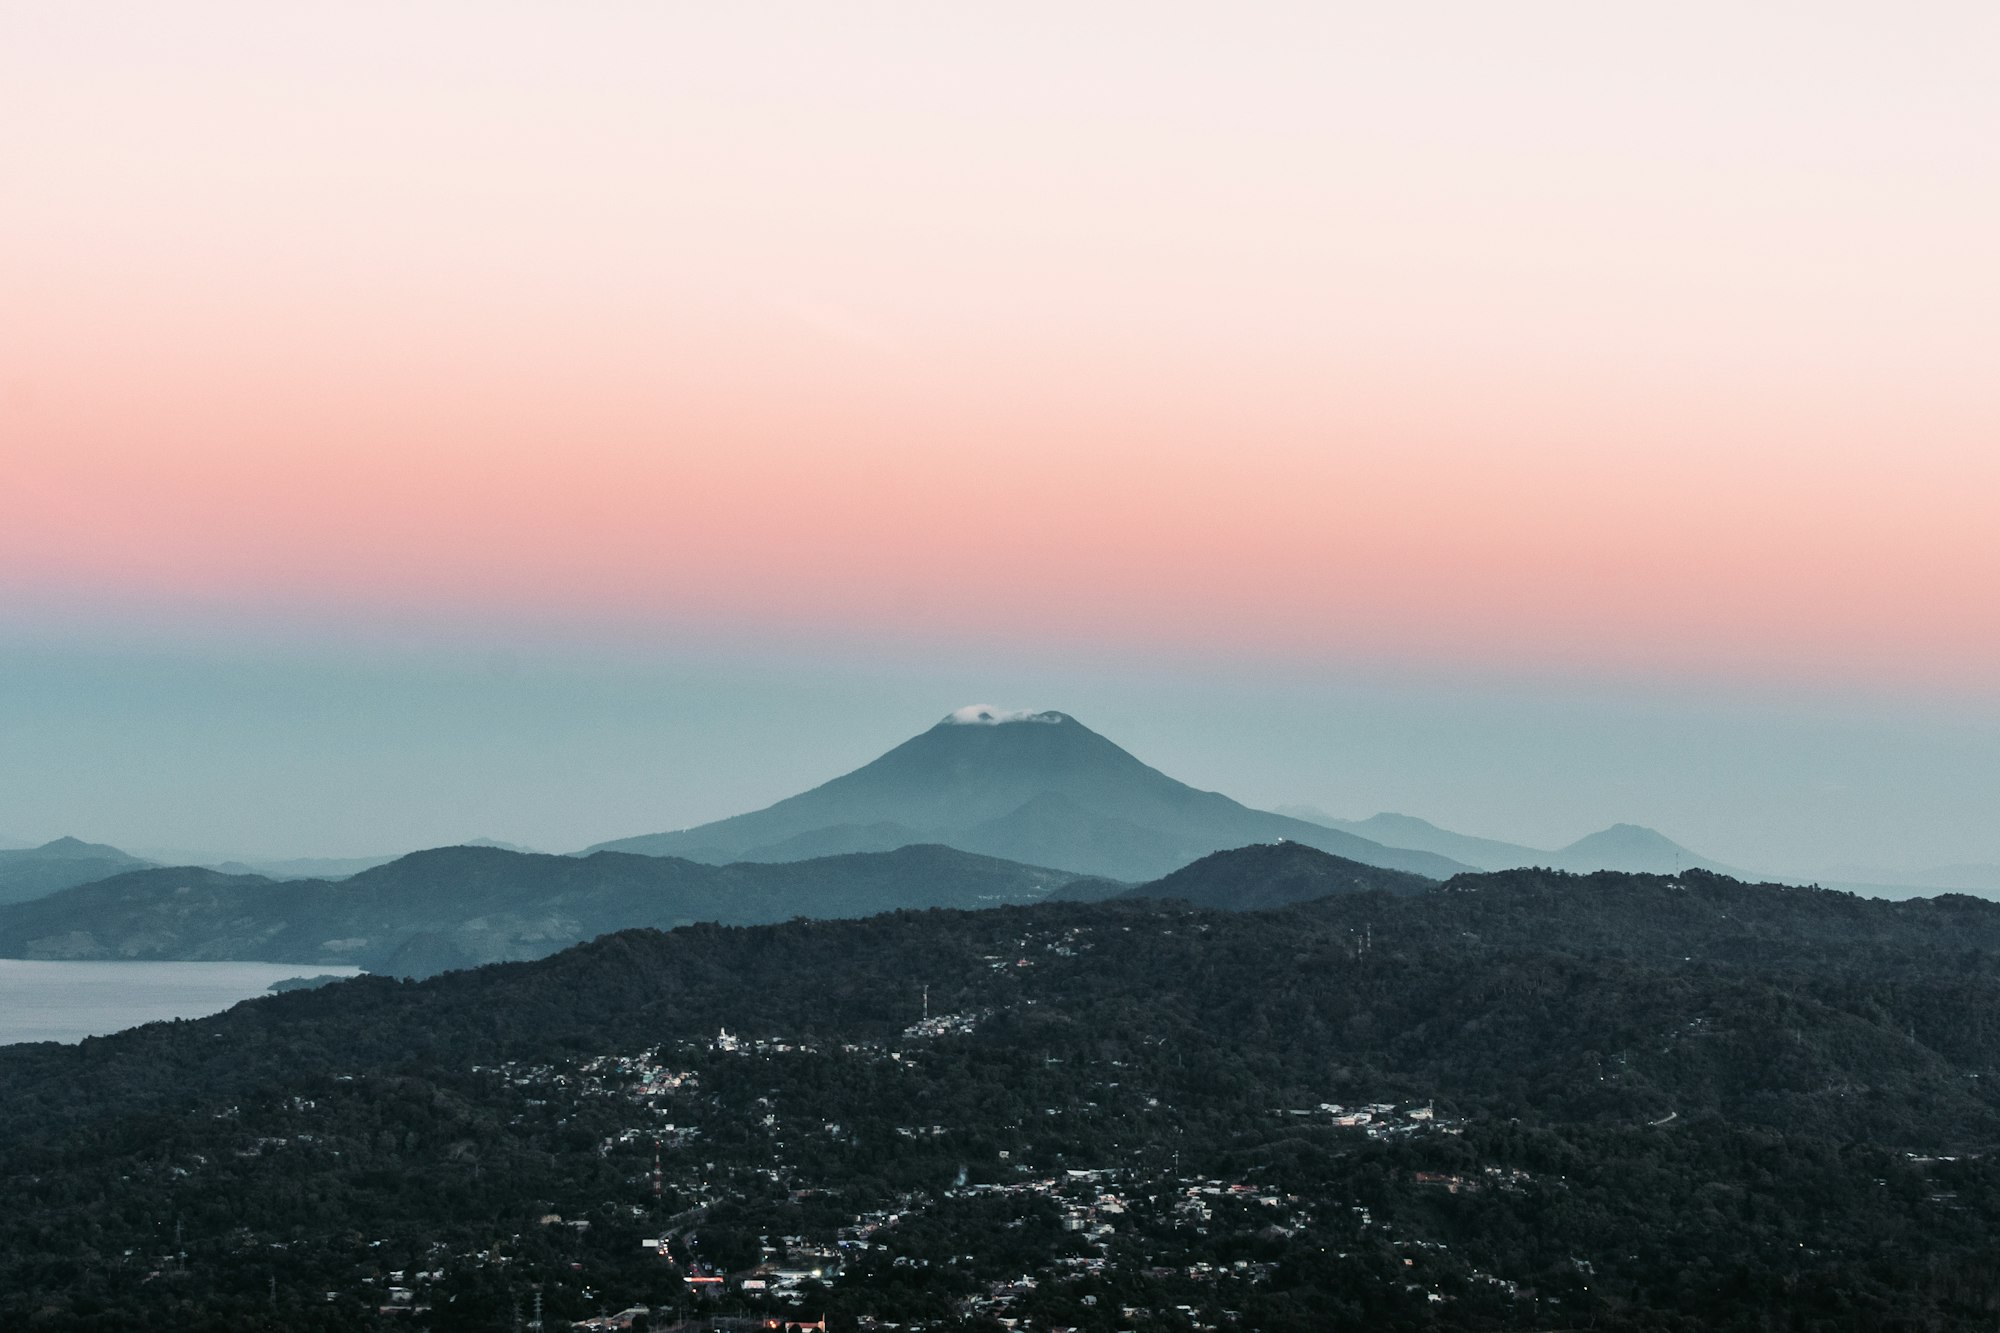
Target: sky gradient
point(1304, 352)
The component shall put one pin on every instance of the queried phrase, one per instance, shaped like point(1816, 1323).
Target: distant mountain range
point(329, 867)
point(461, 906)
point(457, 907)
point(1077, 814)
point(332, 867)
point(1627, 847)
point(303, 867)
point(1039, 788)
point(32, 872)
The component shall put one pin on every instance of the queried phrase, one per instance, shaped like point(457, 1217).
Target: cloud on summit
point(986, 715)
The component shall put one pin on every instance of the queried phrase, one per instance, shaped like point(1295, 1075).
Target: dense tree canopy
point(1622, 1101)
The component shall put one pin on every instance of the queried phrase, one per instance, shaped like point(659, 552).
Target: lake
point(59, 1001)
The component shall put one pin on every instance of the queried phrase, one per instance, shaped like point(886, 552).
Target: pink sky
point(1536, 334)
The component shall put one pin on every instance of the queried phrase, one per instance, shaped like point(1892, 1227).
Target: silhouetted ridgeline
point(1621, 847)
point(461, 906)
point(1566, 1101)
point(458, 907)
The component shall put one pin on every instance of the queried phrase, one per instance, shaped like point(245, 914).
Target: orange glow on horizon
point(1369, 350)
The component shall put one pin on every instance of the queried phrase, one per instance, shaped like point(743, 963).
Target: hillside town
point(704, 1134)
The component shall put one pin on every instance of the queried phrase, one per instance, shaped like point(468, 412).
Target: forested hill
point(1487, 976)
point(461, 906)
point(1273, 875)
point(1617, 1100)
point(1614, 1100)
point(1705, 917)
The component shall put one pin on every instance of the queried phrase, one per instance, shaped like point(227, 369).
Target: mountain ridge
point(463, 906)
point(1631, 848)
point(450, 908)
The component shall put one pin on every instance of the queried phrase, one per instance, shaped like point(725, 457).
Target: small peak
point(986, 715)
point(496, 844)
point(1627, 833)
point(67, 846)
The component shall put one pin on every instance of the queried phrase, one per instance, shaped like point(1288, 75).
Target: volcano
point(1035, 787)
